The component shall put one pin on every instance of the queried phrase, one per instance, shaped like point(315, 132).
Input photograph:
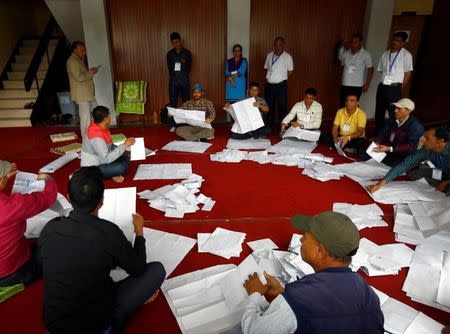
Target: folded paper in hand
point(192, 117)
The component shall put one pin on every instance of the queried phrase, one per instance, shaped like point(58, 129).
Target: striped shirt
point(439, 160)
point(310, 118)
point(260, 317)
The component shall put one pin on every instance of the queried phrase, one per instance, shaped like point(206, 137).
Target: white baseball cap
point(405, 103)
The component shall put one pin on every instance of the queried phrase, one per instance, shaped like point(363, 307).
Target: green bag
point(7, 292)
point(131, 97)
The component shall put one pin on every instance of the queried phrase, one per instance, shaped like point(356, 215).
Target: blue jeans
point(177, 88)
point(263, 131)
point(115, 168)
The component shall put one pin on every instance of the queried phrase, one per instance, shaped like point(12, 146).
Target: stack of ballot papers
point(168, 248)
point(361, 215)
point(59, 137)
point(35, 224)
point(228, 155)
point(405, 227)
point(221, 242)
point(261, 157)
point(138, 150)
point(301, 160)
point(245, 115)
point(178, 199)
point(59, 163)
point(428, 280)
point(400, 318)
point(187, 146)
point(249, 144)
point(404, 192)
point(367, 170)
point(322, 172)
point(27, 183)
point(302, 134)
point(376, 260)
point(163, 171)
point(295, 244)
point(288, 146)
point(192, 117)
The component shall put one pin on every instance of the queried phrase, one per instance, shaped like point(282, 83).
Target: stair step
point(24, 67)
point(15, 113)
point(15, 103)
point(18, 93)
point(16, 84)
point(21, 75)
point(35, 42)
point(15, 122)
point(29, 51)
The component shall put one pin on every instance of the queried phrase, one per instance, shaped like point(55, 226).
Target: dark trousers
point(392, 159)
point(28, 273)
point(275, 93)
point(263, 131)
point(386, 95)
point(133, 292)
point(177, 88)
point(346, 90)
point(115, 168)
point(358, 144)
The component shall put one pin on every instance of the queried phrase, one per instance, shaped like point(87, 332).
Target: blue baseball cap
point(198, 86)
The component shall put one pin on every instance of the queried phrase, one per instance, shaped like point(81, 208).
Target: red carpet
point(252, 198)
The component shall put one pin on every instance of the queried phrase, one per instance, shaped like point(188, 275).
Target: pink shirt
point(14, 211)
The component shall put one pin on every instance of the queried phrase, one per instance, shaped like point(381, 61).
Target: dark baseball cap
point(334, 230)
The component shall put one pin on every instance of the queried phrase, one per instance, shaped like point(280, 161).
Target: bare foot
point(118, 179)
point(153, 297)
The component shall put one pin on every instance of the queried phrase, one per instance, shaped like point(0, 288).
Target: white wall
point(68, 15)
point(98, 50)
point(377, 25)
point(238, 25)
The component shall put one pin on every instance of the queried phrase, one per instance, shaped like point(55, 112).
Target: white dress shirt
point(260, 317)
point(309, 118)
point(355, 66)
point(395, 70)
point(278, 66)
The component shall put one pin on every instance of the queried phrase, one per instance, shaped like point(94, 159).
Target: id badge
point(391, 138)
point(346, 127)
point(387, 80)
point(351, 68)
point(234, 72)
point(437, 174)
point(177, 67)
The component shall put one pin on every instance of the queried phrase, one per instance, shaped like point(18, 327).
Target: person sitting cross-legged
point(99, 150)
point(332, 300)
point(78, 253)
point(261, 104)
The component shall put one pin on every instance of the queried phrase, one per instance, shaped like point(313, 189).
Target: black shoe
point(203, 140)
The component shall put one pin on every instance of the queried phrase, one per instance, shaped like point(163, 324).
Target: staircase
point(14, 97)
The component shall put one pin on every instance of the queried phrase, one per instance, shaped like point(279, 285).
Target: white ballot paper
point(138, 150)
point(361, 215)
point(118, 207)
point(58, 163)
point(248, 144)
point(367, 170)
point(27, 183)
point(378, 156)
point(163, 171)
point(340, 151)
point(187, 146)
point(246, 116)
point(224, 243)
point(302, 134)
point(405, 226)
point(289, 146)
point(192, 117)
point(262, 244)
point(168, 248)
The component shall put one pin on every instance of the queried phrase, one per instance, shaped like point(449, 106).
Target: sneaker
point(172, 129)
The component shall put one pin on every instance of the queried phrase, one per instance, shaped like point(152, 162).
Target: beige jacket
point(81, 84)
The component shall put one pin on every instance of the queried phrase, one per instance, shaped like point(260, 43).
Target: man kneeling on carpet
point(99, 150)
point(79, 251)
point(261, 104)
point(332, 300)
point(18, 262)
point(198, 102)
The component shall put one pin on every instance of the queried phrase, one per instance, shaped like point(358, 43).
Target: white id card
point(346, 127)
point(437, 174)
point(177, 67)
point(387, 80)
point(234, 72)
point(351, 68)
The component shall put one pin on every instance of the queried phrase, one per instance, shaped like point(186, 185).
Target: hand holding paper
point(374, 151)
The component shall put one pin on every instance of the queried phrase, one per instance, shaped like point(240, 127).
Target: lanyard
point(395, 58)
point(276, 59)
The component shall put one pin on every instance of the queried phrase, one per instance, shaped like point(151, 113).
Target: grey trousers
point(193, 133)
point(85, 110)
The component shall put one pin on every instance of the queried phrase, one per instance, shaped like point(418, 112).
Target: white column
point(377, 25)
point(238, 26)
point(98, 50)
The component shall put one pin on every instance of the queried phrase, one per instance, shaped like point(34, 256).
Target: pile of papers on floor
point(187, 146)
point(180, 198)
point(168, 248)
point(174, 171)
point(249, 144)
point(289, 146)
point(301, 160)
point(400, 318)
point(229, 155)
point(376, 260)
point(417, 221)
point(361, 215)
point(322, 172)
point(221, 242)
point(428, 280)
point(302, 134)
point(404, 192)
point(367, 170)
point(35, 224)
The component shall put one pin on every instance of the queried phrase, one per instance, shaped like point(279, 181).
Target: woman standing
point(236, 75)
